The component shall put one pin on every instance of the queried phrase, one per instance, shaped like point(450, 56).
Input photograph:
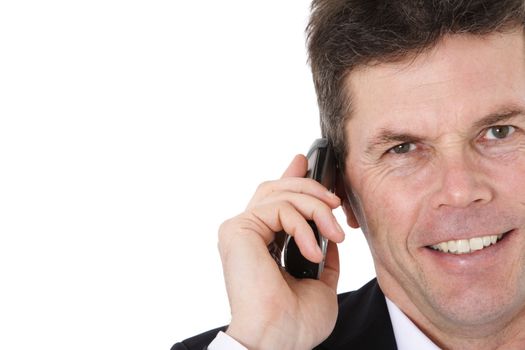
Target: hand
point(271, 309)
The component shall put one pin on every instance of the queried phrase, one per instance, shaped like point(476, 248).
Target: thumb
point(330, 274)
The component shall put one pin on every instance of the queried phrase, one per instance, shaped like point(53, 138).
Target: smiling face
point(436, 163)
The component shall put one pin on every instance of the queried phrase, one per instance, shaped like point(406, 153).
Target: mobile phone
point(322, 168)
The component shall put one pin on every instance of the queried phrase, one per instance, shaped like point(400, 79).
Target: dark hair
point(343, 34)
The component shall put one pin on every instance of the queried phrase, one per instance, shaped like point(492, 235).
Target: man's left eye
point(402, 148)
point(499, 132)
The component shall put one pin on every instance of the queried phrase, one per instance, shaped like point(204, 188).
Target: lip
point(478, 261)
point(466, 237)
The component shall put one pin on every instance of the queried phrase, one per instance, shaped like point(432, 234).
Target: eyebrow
point(498, 117)
point(387, 137)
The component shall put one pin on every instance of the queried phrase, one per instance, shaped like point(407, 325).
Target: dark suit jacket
point(363, 322)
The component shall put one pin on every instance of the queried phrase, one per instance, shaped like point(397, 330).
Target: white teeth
point(476, 243)
point(443, 246)
point(462, 246)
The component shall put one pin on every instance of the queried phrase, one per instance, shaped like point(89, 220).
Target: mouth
point(467, 246)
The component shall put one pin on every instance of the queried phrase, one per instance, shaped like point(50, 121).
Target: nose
point(461, 182)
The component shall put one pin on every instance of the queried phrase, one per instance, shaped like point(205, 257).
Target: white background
point(129, 130)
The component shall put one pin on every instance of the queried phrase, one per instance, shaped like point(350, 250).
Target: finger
point(330, 274)
point(264, 224)
point(309, 207)
point(295, 184)
point(286, 218)
point(244, 241)
point(297, 167)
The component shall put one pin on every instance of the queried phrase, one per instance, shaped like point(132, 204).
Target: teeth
point(462, 246)
point(443, 246)
point(476, 243)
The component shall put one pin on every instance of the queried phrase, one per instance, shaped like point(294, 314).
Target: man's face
point(436, 162)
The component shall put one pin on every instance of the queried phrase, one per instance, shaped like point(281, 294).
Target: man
point(424, 103)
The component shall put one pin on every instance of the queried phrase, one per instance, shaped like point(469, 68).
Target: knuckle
point(224, 226)
point(264, 187)
point(237, 226)
point(320, 211)
point(226, 229)
point(284, 204)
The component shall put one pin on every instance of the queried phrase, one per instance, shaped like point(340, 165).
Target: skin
point(270, 309)
point(451, 178)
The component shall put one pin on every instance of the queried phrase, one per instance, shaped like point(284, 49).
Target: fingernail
point(330, 194)
point(339, 228)
point(319, 253)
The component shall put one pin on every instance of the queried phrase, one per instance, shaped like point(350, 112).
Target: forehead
point(462, 78)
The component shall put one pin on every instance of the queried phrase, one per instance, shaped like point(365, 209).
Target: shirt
point(408, 336)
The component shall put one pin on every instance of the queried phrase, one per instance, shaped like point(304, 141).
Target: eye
point(499, 132)
point(402, 148)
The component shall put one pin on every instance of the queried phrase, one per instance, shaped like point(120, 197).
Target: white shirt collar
point(408, 336)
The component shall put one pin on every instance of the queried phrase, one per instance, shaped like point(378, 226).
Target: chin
point(479, 308)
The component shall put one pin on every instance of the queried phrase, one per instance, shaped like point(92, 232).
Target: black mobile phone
point(322, 168)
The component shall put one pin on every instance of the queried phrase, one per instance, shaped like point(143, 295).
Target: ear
point(349, 212)
point(344, 192)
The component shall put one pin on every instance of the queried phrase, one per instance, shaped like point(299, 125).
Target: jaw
point(470, 295)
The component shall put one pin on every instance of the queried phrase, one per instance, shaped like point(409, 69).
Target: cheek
point(507, 175)
point(394, 199)
point(391, 206)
